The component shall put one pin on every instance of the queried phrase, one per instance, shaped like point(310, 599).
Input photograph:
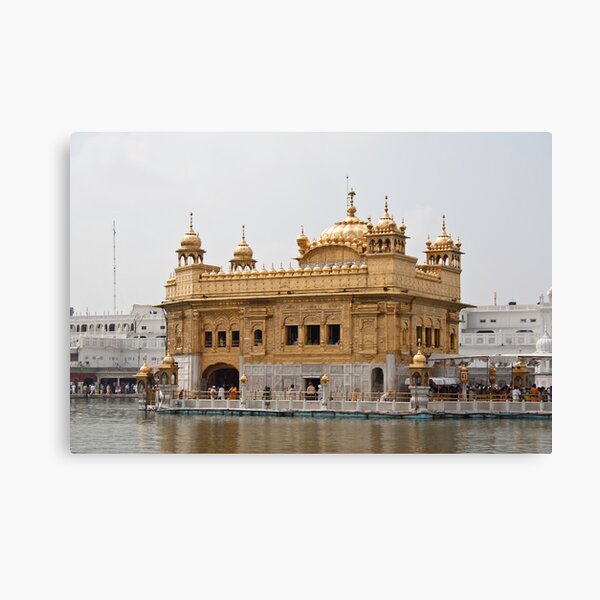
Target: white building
point(102, 341)
point(505, 332)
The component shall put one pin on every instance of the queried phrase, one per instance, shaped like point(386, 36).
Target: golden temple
point(356, 307)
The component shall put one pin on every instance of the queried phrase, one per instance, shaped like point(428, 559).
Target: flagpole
point(114, 270)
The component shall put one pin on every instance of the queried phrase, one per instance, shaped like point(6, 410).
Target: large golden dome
point(350, 230)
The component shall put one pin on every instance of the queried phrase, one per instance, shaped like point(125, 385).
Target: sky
point(493, 188)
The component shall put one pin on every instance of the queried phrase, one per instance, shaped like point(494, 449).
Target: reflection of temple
point(354, 307)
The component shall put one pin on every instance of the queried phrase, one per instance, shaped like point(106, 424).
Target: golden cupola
point(386, 224)
point(190, 249)
point(444, 251)
point(386, 237)
point(342, 242)
point(302, 240)
point(350, 230)
point(242, 255)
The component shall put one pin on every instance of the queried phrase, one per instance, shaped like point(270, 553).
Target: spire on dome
point(351, 207)
point(190, 249)
point(242, 254)
point(444, 251)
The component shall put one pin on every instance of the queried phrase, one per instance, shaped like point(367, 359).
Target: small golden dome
point(167, 361)
point(419, 359)
point(242, 251)
point(144, 369)
point(444, 238)
point(302, 240)
point(191, 240)
point(386, 223)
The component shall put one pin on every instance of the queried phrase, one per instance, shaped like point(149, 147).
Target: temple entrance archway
point(377, 379)
point(221, 374)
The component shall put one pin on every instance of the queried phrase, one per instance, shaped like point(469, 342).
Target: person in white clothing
point(516, 395)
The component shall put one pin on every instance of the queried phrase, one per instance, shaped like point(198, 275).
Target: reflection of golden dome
point(191, 240)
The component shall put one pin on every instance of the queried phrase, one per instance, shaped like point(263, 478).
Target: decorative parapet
point(430, 272)
point(270, 281)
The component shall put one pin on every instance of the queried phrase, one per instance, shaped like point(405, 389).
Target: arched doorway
point(377, 379)
point(221, 374)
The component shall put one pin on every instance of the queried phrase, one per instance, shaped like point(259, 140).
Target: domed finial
point(386, 205)
point(191, 215)
point(444, 224)
point(351, 207)
point(243, 233)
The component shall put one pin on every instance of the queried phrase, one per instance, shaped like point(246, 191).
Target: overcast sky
point(495, 190)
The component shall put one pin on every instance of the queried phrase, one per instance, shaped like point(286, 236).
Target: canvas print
point(310, 293)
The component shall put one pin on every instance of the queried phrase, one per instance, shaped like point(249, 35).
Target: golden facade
point(355, 307)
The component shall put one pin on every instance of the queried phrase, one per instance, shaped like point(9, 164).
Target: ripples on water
point(117, 426)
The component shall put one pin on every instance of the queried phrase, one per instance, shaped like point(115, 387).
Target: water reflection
point(117, 426)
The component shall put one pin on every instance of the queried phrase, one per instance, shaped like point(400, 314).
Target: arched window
point(84, 328)
point(258, 337)
point(111, 327)
point(416, 379)
point(164, 379)
point(377, 379)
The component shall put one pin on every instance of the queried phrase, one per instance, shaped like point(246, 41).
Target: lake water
point(117, 426)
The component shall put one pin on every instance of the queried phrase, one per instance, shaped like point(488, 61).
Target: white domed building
point(543, 368)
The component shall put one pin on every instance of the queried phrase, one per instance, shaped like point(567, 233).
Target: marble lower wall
point(342, 378)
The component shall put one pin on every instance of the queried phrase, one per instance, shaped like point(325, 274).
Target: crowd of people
point(102, 389)
point(473, 392)
point(223, 393)
point(501, 393)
